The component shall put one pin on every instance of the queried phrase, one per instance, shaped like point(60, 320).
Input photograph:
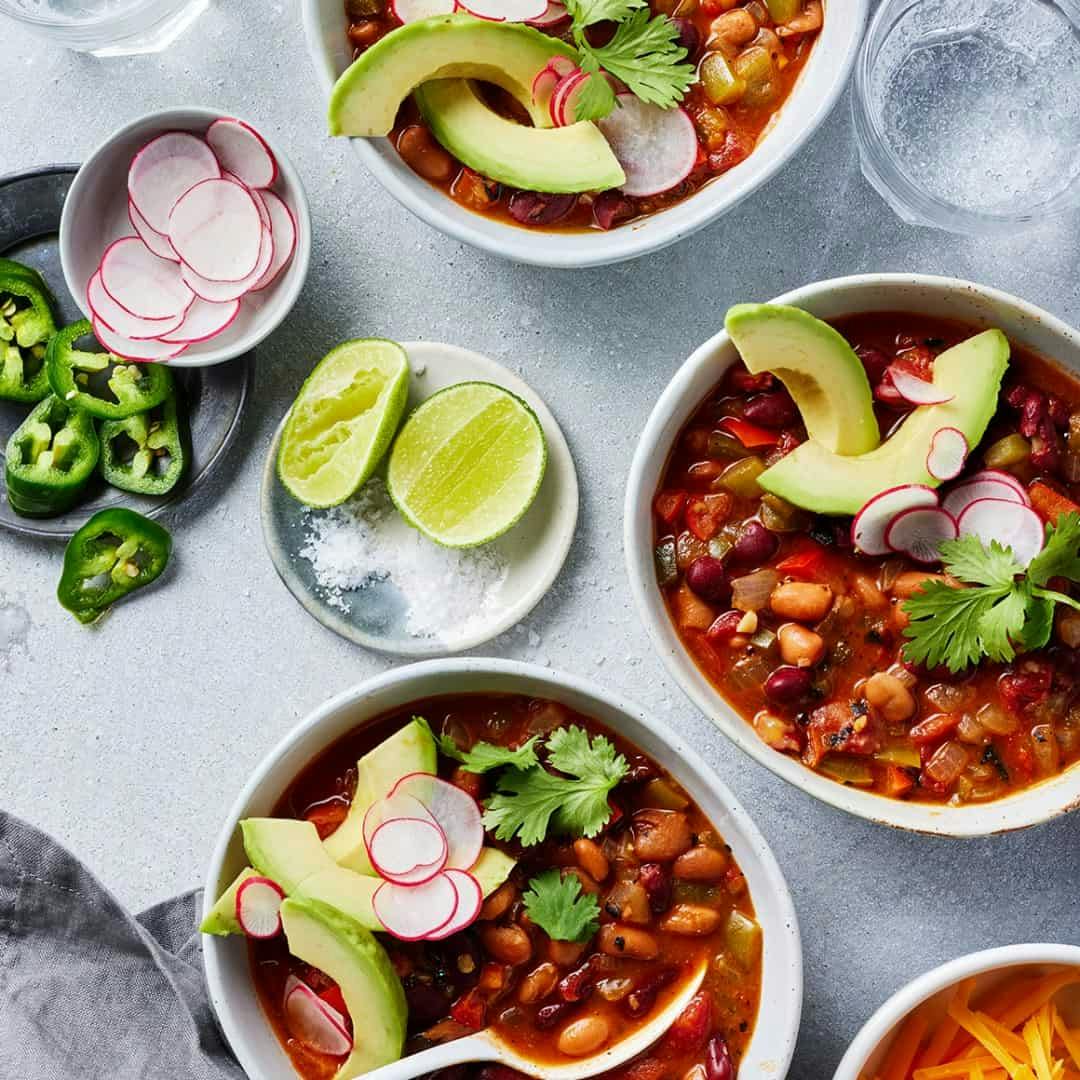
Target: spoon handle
point(458, 1052)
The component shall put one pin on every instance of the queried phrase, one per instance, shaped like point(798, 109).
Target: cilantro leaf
point(531, 802)
point(1003, 622)
point(597, 97)
point(588, 12)
point(1039, 623)
point(944, 626)
point(485, 756)
point(969, 561)
point(558, 906)
point(1060, 557)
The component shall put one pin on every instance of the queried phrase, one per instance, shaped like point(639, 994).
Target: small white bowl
point(963, 301)
point(864, 1056)
point(95, 214)
point(812, 99)
point(226, 959)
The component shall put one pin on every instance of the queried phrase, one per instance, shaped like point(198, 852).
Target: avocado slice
point(285, 850)
point(819, 368)
point(221, 918)
point(814, 477)
point(562, 160)
point(366, 97)
point(341, 948)
point(409, 750)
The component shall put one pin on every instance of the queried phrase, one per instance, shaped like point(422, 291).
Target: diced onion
point(752, 591)
point(949, 761)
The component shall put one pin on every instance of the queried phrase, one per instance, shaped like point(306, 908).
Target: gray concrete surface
point(129, 742)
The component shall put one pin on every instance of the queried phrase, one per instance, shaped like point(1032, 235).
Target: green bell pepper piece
point(26, 325)
point(116, 552)
point(100, 383)
point(144, 453)
point(50, 457)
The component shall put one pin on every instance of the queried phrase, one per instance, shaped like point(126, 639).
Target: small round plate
point(214, 398)
point(534, 550)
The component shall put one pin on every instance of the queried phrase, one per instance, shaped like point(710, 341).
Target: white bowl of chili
point(229, 973)
point(811, 100)
point(1027, 326)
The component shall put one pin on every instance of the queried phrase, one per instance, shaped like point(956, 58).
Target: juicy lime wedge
point(342, 421)
point(467, 464)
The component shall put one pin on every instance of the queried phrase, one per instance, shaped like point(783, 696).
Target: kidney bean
point(689, 37)
point(718, 1065)
point(578, 985)
point(725, 626)
point(536, 208)
point(427, 1004)
point(708, 578)
point(611, 208)
point(773, 410)
point(743, 381)
point(754, 546)
point(874, 361)
point(656, 882)
point(787, 684)
point(550, 1015)
point(642, 998)
point(691, 1027)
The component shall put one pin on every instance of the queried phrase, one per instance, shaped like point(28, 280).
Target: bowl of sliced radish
point(185, 238)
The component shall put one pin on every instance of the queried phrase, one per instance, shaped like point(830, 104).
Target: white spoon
point(484, 1046)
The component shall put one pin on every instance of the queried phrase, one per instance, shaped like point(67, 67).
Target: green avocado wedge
point(814, 477)
point(817, 366)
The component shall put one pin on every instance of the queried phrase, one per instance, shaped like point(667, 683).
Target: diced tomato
point(327, 816)
point(469, 782)
point(646, 1069)
point(933, 729)
point(917, 361)
point(745, 383)
point(898, 782)
point(1016, 756)
point(737, 147)
point(706, 513)
point(806, 561)
point(668, 505)
point(834, 727)
point(734, 881)
point(750, 435)
point(492, 977)
point(691, 1027)
point(469, 1009)
point(1050, 504)
point(1025, 687)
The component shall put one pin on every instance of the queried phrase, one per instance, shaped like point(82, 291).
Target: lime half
point(467, 464)
point(342, 421)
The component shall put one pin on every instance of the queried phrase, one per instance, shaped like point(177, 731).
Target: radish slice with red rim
point(216, 229)
point(919, 533)
point(544, 86)
point(868, 528)
point(505, 10)
point(413, 912)
point(408, 851)
point(157, 242)
point(314, 1022)
point(1003, 477)
point(408, 11)
point(456, 812)
point(555, 14)
point(163, 170)
point(470, 898)
point(202, 322)
point(656, 147)
point(141, 283)
point(948, 452)
point(389, 809)
point(914, 390)
point(130, 349)
point(258, 907)
point(264, 214)
point(241, 150)
point(221, 292)
point(1009, 523)
point(980, 486)
point(110, 314)
point(283, 226)
point(563, 107)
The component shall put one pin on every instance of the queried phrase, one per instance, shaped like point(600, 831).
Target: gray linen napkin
point(89, 991)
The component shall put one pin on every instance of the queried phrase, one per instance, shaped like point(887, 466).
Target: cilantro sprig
point(1003, 607)
point(485, 756)
point(558, 906)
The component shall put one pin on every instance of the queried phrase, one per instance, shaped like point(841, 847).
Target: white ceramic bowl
point(989, 967)
point(95, 214)
point(810, 102)
point(1026, 325)
point(226, 959)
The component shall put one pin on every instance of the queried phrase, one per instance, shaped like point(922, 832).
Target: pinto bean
point(733, 28)
point(565, 953)
point(800, 646)
point(700, 863)
point(616, 939)
point(498, 903)
point(911, 582)
point(538, 983)
point(423, 155)
point(890, 697)
point(584, 1036)
point(691, 920)
point(591, 859)
point(508, 944)
point(661, 835)
point(803, 601)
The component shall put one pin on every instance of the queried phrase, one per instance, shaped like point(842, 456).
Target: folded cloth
point(89, 991)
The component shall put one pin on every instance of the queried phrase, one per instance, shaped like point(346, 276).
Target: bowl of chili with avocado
point(870, 680)
point(577, 938)
point(758, 80)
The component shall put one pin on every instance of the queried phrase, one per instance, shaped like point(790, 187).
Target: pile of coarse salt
point(365, 541)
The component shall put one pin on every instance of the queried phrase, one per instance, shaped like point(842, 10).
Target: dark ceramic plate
point(214, 397)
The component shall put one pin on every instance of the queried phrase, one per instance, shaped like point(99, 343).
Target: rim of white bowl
point(896, 1008)
point(683, 394)
point(285, 290)
point(815, 94)
point(779, 1051)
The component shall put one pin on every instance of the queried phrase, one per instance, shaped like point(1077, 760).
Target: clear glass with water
point(968, 111)
point(106, 27)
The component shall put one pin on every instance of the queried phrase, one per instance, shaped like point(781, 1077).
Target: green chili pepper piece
point(100, 383)
point(50, 457)
point(115, 553)
point(26, 326)
point(144, 453)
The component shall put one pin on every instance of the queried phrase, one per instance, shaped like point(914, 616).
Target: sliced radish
point(505, 10)
point(547, 80)
point(868, 528)
point(563, 107)
point(408, 11)
point(260, 205)
point(656, 147)
point(1003, 477)
point(163, 170)
point(948, 452)
point(141, 283)
point(283, 226)
point(241, 150)
point(919, 532)
point(555, 14)
point(412, 912)
point(157, 242)
point(314, 1022)
point(202, 322)
point(221, 292)
point(216, 229)
point(113, 316)
point(1010, 524)
point(470, 898)
point(980, 486)
point(456, 812)
point(408, 851)
point(914, 390)
point(390, 809)
point(258, 907)
point(130, 349)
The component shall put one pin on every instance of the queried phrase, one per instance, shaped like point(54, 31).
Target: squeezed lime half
point(467, 464)
point(343, 420)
